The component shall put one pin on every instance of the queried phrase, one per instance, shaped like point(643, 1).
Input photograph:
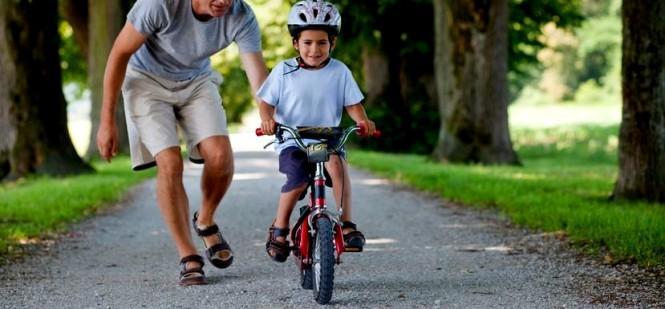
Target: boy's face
point(313, 46)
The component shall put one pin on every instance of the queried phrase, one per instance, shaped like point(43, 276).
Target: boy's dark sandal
point(354, 241)
point(213, 252)
point(194, 275)
point(277, 250)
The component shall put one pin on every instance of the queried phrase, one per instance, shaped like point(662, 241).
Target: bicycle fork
point(319, 208)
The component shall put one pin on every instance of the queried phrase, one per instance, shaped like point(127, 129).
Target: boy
point(310, 90)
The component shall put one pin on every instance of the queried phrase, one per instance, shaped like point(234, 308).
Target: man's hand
point(107, 141)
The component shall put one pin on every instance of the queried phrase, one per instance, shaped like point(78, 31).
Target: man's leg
point(172, 199)
point(216, 179)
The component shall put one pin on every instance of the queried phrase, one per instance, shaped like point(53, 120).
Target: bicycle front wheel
point(323, 264)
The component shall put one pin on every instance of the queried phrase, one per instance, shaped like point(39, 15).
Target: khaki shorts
point(154, 105)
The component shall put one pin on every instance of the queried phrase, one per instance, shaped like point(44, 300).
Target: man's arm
point(129, 40)
point(256, 70)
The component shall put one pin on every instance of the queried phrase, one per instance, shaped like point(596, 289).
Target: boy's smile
point(313, 46)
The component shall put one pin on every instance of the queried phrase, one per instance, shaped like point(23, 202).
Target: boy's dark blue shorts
point(293, 163)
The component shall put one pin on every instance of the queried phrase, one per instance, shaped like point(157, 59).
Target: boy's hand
point(370, 127)
point(268, 126)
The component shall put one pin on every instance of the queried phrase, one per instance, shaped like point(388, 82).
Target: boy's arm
point(357, 113)
point(267, 112)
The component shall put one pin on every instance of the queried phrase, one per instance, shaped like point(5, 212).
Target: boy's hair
point(331, 36)
point(314, 14)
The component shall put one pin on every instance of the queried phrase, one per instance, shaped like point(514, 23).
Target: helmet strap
point(302, 64)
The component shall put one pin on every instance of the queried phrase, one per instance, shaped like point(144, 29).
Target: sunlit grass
point(31, 208)
point(564, 185)
point(557, 115)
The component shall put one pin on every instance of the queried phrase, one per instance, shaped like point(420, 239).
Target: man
point(161, 60)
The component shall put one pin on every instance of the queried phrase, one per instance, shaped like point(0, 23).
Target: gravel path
point(421, 253)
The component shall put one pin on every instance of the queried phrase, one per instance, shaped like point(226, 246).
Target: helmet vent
point(313, 14)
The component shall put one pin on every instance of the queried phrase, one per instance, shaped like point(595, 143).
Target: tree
point(642, 132)
point(32, 105)
point(471, 69)
point(76, 14)
point(391, 42)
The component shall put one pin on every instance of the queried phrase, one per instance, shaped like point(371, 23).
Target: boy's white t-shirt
point(314, 98)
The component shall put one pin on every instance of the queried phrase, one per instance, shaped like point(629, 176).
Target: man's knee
point(221, 162)
point(169, 162)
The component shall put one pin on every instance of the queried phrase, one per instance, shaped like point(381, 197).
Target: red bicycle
point(317, 237)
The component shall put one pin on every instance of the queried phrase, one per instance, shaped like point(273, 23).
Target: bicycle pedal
point(347, 249)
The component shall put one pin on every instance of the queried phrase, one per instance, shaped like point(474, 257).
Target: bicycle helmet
point(314, 14)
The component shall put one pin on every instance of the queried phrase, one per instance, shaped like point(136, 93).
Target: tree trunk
point(35, 134)
point(642, 133)
point(106, 20)
point(471, 69)
point(375, 70)
point(76, 14)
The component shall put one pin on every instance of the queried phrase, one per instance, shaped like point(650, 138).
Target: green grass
point(564, 185)
point(34, 207)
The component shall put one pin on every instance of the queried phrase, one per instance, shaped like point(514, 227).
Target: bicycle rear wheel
point(323, 266)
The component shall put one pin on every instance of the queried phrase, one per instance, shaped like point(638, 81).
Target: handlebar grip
point(363, 131)
point(259, 132)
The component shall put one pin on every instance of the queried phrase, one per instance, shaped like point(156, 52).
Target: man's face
point(213, 8)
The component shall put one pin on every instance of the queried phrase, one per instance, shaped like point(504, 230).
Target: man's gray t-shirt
point(311, 98)
point(178, 46)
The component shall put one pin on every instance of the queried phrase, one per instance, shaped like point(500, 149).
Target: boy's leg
point(172, 199)
point(287, 200)
point(277, 244)
point(339, 172)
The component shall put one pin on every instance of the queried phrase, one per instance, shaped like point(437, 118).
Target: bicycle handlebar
point(298, 139)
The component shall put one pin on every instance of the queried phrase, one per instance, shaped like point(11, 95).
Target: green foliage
point(599, 50)
point(235, 91)
point(403, 33)
point(564, 185)
point(526, 22)
point(72, 62)
point(35, 207)
point(583, 63)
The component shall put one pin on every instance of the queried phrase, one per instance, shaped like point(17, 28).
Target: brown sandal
point(354, 241)
point(278, 250)
point(194, 275)
point(220, 255)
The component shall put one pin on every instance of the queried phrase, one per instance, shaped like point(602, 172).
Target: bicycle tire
point(306, 279)
point(323, 266)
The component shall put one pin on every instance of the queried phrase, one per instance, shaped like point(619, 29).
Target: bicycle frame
point(317, 208)
point(305, 228)
point(317, 235)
